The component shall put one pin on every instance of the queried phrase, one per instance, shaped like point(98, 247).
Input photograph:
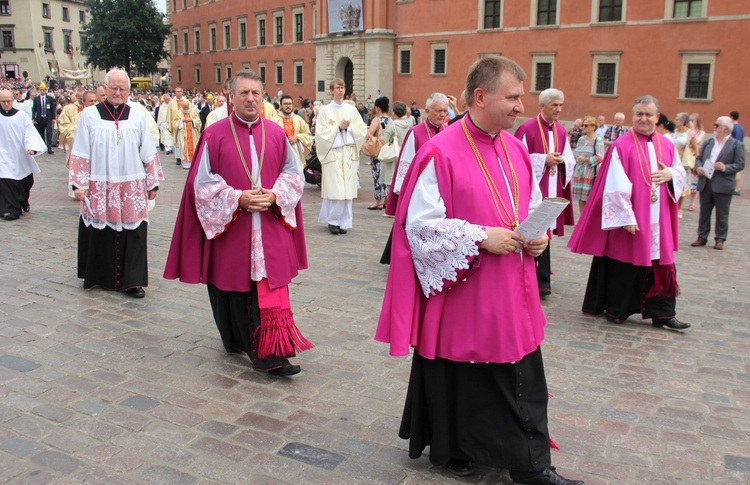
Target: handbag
point(373, 144)
point(688, 158)
point(389, 152)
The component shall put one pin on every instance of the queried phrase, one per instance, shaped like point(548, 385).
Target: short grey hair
point(244, 74)
point(646, 99)
point(620, 115)
point(120, 71)
point(684, 117)
point(435, 97)
point(725, 121)
point(550, 94)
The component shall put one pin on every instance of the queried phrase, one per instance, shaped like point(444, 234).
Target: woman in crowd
point(698, 134)
point(588, 152)
point(687, 148)
point(576, 132)
point(397, 129)
point(378, 122)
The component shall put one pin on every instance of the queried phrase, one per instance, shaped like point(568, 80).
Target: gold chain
point(242, 156)
point(494, 192)
point(545, 144)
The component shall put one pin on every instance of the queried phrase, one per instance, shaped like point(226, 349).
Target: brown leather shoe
point(699, 242)
point(719, 245)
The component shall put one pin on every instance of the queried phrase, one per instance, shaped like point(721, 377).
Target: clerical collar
point(337, 105)
point(249, 124)
point(473, 124)
point(114, 109)
point(10, 112)
point(437, 127)
point(543, 120)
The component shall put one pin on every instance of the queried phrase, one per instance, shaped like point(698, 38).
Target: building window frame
point(435, 62)
point(197, 74)
point(46, 13)
point(82, 17)
point(65, 14)
point(495, 16)
point(298, 14)
point(179, 75)
point(217, 71)
point(553, 7)
point(298, 73)
point(404, 50)
point(212, 37)
point(185, 41)
point(692, 58)
point(5, 7)
point(197, 40)
point(228, 71)
point(242, 33)
point(605, 57)
point(538, 58)
point(278, 28)
point(278, 70)
point(227, 30)
point(260, 23)
point(174, 43)
point(8, 37)
point(262, 71)
point(597, 8)
point(68, 41)
point(49, 39)
point(671, 7)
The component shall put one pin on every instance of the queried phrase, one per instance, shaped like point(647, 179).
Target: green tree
point(128, 34)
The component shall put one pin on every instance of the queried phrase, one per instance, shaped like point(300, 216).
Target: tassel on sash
point(277, 334)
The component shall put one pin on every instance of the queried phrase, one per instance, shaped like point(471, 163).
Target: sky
point(161, 5)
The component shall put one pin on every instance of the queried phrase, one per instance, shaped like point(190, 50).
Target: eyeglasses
point(118, 90)
point(586, 125)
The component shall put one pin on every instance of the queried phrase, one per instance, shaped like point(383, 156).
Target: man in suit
point(727, 155)
point(44, 115)
point(207, 108)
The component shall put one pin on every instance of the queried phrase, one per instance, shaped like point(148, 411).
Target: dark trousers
point(44, 128)
point(709, 200)
point(544, 269)
point(14, 195)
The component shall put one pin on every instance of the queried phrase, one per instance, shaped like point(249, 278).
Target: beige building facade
point(41, 40)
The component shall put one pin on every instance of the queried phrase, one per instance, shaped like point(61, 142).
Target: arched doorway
point(345, 70)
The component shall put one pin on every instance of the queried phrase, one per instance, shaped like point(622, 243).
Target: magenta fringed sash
point(277, 334)
point(665, 282)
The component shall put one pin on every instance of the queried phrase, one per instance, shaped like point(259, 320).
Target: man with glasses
point(615, 131)
point(720, 160)
point(114, 171)
point(629, 225)
point(19, 141)
point(553, 161)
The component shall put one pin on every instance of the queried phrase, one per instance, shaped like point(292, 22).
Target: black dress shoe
point(459, 467)
point(10, 217)
point(333, 229)
point(26, 208)
point(672, 323)
point(544, 292)
point(136, 292)
point(341, 231)
point(287, 369)
point(50, 152)
point(612, 319)
point(549, 476)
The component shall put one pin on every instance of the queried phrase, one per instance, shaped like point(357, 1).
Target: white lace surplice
point(404, 162)
point(617, 208)
point(217, 203)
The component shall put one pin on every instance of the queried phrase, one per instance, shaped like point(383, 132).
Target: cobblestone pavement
point(96, 387)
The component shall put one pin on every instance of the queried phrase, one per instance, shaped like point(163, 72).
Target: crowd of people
point(457, 181)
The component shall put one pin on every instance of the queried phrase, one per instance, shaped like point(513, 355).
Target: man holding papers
point(629, 225)
point(717, 165)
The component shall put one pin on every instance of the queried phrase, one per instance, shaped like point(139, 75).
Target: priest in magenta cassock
point(462, 292)
point(19, 142)
point(629, 225)
point(553, 162)
point(239, 231)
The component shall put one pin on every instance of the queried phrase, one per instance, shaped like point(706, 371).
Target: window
point(196, 41)
point(65, 14)
point(218, 74)
point(697, 75)
point(298, 73)
point(68, 41)
point(4, 7)
point(81, 16)
point(8, 39)
point(610, 10)
point(605, 73)
point(212, 38)
point(404, 59)
point(279, 31)
point(184, 42)
point(262, 71)
point(261, 31)
point(197, 75)
point(195, 3)
point(45, 11)
point(298, 27)
point(279, 73)
point(439, 59)
point(246, 65)
point(184, 4)
point(605, 77)
point(82, 42)
point(492, 14)
point(688, 9)
point(243, 34)
point(546, 12)
point(48, 46)
point(228, 71)
point(542, 70)
point(174, 43)
point(227, 36)
point(179, 75)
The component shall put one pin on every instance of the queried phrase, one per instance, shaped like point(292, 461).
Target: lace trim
point(617, 210)
point(288, 189)
point(216, 205)
point(440, 248)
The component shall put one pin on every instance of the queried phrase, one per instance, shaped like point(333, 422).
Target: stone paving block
point(99, 476)
point(258, 440)
point(275, 466)
point(737, 463)
point(360, 448)
point(18, 363)
point(261, 422)
point(372, 471)
point(173, 455)
point(66, 439)
point(139, 403)
point(217, 428)
point(97, 452)
point(163, 475)
point(124, 462)
point(21, 447)
point(57, 461)
point(217, 447)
